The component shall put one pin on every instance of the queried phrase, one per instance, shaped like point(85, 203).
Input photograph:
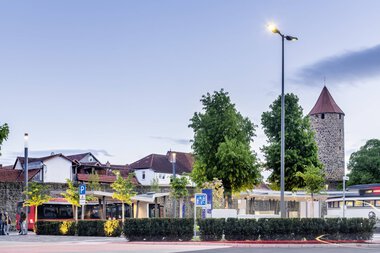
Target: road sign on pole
point(82, 189)
point(199, 201)
point(82, 195)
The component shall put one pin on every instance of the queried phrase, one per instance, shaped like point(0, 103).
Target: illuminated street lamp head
point(273, 28)
point(26, 139)
point(173, 157)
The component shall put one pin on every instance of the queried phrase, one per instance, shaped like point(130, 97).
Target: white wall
point(149, 176)
point(57, 170)
point(18, 165)
point(163, 178)
point(306, 210)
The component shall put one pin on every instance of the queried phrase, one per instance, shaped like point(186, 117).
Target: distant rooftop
point(325, 104)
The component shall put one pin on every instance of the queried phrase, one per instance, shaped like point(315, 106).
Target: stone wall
point(11, 193)
point(329, 128)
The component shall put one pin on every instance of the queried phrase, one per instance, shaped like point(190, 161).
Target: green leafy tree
point(178, 189)
point(364, 164)
point(4, 132)
point(37, 195)
point(123, 190)
point(300, 146)
point(221, 145)
point(314, 179)
point(93, 181)
point(72, 196)
point(154, 185)
point(216, 185)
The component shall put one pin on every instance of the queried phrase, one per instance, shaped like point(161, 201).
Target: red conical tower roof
point(325, 104)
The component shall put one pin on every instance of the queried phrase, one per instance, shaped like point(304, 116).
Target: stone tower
point(327, 120)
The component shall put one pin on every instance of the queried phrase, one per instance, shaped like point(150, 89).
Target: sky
point(121, 79)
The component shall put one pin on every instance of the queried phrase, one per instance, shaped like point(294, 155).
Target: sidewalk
point(14, 237)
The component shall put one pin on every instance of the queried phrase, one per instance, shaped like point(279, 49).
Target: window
point(340, 116)
point(340, 148)
point(358, 203)
point(143, 175)
point(377, 202)
point(349, 203)
point(322, 116)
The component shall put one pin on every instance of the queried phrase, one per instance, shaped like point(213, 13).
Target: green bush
point(288, 229)
point(211, 229)
point(241, 229)
point(90, 228)
point(158, 229)
point(55, 228)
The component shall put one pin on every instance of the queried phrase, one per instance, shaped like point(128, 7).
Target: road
point(74, 244)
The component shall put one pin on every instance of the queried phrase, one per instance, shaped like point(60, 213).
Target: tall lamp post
point(173, 160)
point(274, 29)
point(26, 139)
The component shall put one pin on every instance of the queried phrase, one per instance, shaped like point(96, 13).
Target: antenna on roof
point(324, 80)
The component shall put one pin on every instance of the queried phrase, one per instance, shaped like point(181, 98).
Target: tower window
point(340, 148)
point(143, 175)
point(322, 116)
point(340, 116)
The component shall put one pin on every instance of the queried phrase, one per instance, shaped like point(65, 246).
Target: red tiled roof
point(11, 175)
point(79, 157)
point(161, 163)
point(7, 167)
point(39, 159)
point(325, 104)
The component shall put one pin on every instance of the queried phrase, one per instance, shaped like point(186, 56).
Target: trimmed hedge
point(55, 228)
point(287, 229)
point(241, 229)
point(211, 229)
point(158, 229)
point(83, 228)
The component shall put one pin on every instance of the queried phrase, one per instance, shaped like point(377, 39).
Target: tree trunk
point(180, 207)
point(122, 211)
point(312, 205)
point(228, 196)
point(35, 214)
point(35, 218)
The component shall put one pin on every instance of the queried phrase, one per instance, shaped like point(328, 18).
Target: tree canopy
point(178, 187)
point(72, 196)
point(314, 179)
point(301, 148)
point(37, 195)
point(4, 132)
point(123, 190)
point(364, 164)
point(221, 144)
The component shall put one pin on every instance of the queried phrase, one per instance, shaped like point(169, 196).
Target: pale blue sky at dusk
point(123, 78)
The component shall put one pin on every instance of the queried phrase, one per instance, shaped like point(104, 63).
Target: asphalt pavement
point(32, 243)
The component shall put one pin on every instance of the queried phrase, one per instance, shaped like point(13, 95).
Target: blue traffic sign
point(200, 199)
point(82, 189)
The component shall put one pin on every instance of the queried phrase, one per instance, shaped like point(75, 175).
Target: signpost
point(206, 213)
point(200, 201)
point(82, 198)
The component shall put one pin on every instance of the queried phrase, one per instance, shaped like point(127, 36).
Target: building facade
point(327, 120)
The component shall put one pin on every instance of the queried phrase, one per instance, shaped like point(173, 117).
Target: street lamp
point(345, 178)
point(173, 160)
point(26, 139)
point(273, 28)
